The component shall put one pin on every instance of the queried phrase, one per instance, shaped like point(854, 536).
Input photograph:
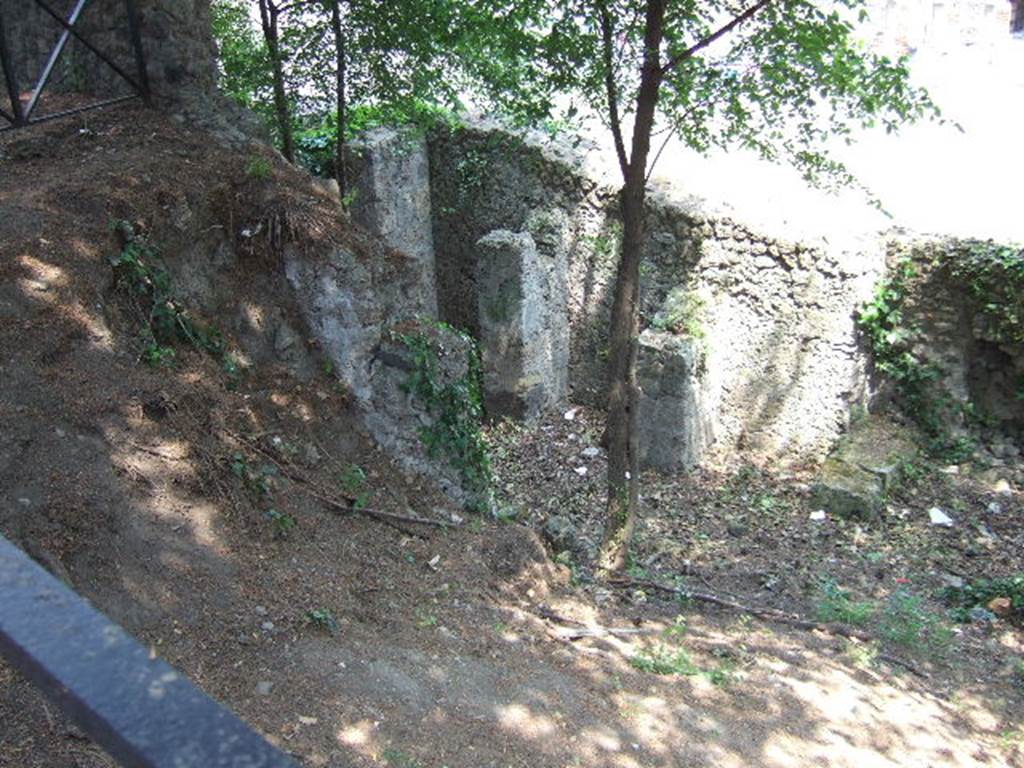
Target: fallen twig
point(311, 489)
point(580, 630)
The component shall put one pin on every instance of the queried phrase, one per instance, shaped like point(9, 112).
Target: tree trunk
point(340, 170)
point(623, 459)
point(269, 13)
point(1017, 16)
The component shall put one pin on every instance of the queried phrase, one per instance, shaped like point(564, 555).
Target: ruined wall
point(176, 37)
point(781, 364)
point(981, 361)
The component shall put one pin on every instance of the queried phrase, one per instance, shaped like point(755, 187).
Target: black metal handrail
point(143, 712)
point(22, 115)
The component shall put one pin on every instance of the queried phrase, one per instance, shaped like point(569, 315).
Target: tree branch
point(700, 45)
point(607, 40)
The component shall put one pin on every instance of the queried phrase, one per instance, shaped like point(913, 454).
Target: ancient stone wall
point(176, 37)
point(981, 369)
point(781, 364)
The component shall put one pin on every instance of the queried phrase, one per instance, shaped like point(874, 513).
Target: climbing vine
point(456, 409)
point(993, 276)
point(139, 275)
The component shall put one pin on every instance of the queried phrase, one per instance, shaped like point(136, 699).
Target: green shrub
point(980, 592)
point(835, 605)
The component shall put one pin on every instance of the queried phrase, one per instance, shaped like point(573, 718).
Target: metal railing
point(140, 710)
point(24, 114)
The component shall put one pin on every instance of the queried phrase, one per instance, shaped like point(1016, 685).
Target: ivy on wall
point(456, 410)
point(992, 276)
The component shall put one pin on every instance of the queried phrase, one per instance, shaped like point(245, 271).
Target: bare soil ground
point(160, 494)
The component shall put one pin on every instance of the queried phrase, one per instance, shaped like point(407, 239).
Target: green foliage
point(244, 59)
point(353, 480)
point(456, 409)
point(396, 758)
point(892, 346)
point(980, 592)
point(660, 659)
point(316, 142)
point(259, 168)
point(322, 619)
point(147, 284)
point(836, 605)
point(682, 314)
point(905, 620)
point(993, 277)
point(425, 619)
point(282, 521)
point(257, 480)
point(157, 355)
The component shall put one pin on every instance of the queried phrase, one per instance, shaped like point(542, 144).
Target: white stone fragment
point(938, 517)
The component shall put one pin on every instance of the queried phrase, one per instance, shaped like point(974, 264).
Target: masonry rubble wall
point(782, 362)
point(176, 37)
point(355, 307)
point(981, 370)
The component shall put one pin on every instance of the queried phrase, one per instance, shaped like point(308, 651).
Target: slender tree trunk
point(1017, 16)
point(269, 13)
point(340, 84)
point(623, 459)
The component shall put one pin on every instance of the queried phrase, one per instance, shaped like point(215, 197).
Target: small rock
point(560, 532)
point(951, 581)
point(1002, 487)
point(308, 720)
point(938, 517)
point(25, 502)
point(737, 529)
point(581, 471)
point(979, 614)
point(952, 469)
point(995, 508)
point(310, 455)
point(818, 515)
point(60, 432)
point(591, 452)
point(261, 610)
point(570, 415)
point(264, 687)
point(1000, 606)
point(267, 626)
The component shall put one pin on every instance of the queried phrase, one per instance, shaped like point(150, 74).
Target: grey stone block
point(673, 419)
point(391, 178)
point(523, 326)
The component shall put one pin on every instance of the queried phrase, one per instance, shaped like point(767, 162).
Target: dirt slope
point(176, 499)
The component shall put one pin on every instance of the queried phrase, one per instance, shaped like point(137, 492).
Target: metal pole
point(52, 61)
point(69, 112)
point(140, 55)
point(18, 116)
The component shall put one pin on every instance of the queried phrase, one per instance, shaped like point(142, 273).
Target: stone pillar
point(672, 420)
point(391, 181)
point(523, 326)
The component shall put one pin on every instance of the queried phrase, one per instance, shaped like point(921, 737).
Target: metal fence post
point(17, 116)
